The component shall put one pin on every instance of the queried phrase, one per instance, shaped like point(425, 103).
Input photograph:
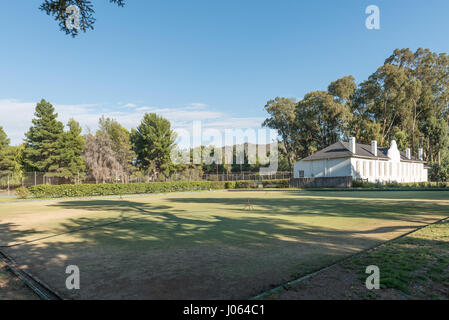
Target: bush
point(88, 190)
point(255, 184)
point(245, 184)
point(285, 183)
point(230, 185)
point(439, 173)
point(396, 185)
point(23, 193)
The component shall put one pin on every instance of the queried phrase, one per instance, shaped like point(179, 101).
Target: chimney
point(408, 153)
point(352, 145)
point(420, 154)
point(374, 148)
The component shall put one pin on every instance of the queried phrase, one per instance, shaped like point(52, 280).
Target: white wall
point(388, 171)
point(371, 170)
point(323, 168)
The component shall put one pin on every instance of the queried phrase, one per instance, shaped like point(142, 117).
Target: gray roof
point(341, 150)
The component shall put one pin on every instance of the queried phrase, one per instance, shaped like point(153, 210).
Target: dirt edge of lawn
point(12, 288)
point(415, 267)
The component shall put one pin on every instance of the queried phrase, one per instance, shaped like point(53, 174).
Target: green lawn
point(417, 265)
point(413, 267)
point(204, 245)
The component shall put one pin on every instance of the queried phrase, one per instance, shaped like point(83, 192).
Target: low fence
point(28, 179)
point(245, 176)
point(340, 182)
point(9, 181)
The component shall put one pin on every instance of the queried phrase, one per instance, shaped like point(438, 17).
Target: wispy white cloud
point(16, 116)
point(129, 105)
point(197, 105)
point(143, 109)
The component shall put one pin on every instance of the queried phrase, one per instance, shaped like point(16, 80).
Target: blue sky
point(209, 60)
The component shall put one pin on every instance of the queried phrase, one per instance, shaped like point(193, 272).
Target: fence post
point(8, 186)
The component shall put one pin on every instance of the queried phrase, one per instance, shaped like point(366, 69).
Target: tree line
point(406, 99)
point(110, 154)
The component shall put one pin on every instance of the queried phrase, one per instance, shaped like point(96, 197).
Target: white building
point(359, 161)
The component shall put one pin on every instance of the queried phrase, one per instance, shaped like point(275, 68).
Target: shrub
point(396, 185)
point(284, 183)
point(255, 184)
point(245, 184)
point(87, 190)
point(439, 173)
point(23, 193)
point(230, 185)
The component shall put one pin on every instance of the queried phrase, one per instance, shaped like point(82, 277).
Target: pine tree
point(6, 152)
point(43, 140)
point(16, 154)
point(4, 141)
point(71, 150)
point(153, 142)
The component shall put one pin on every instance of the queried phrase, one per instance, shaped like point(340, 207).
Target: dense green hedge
point(255, 184)
point(418, 185)
point(284, 183)
point(87, 190)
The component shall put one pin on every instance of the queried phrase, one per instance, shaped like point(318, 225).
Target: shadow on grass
point(360, 193)
point(166, 252)
point(403, 210)
point(10, 233)
point(172, 224)
point(376, 194)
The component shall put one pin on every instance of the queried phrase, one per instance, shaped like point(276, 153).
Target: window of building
point(301, 173)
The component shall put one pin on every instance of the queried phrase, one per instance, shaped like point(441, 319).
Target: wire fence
point(11, 181)
point(241, 176)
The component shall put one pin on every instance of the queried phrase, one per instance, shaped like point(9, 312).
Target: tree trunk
point(413, 128)
point(431, 152)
